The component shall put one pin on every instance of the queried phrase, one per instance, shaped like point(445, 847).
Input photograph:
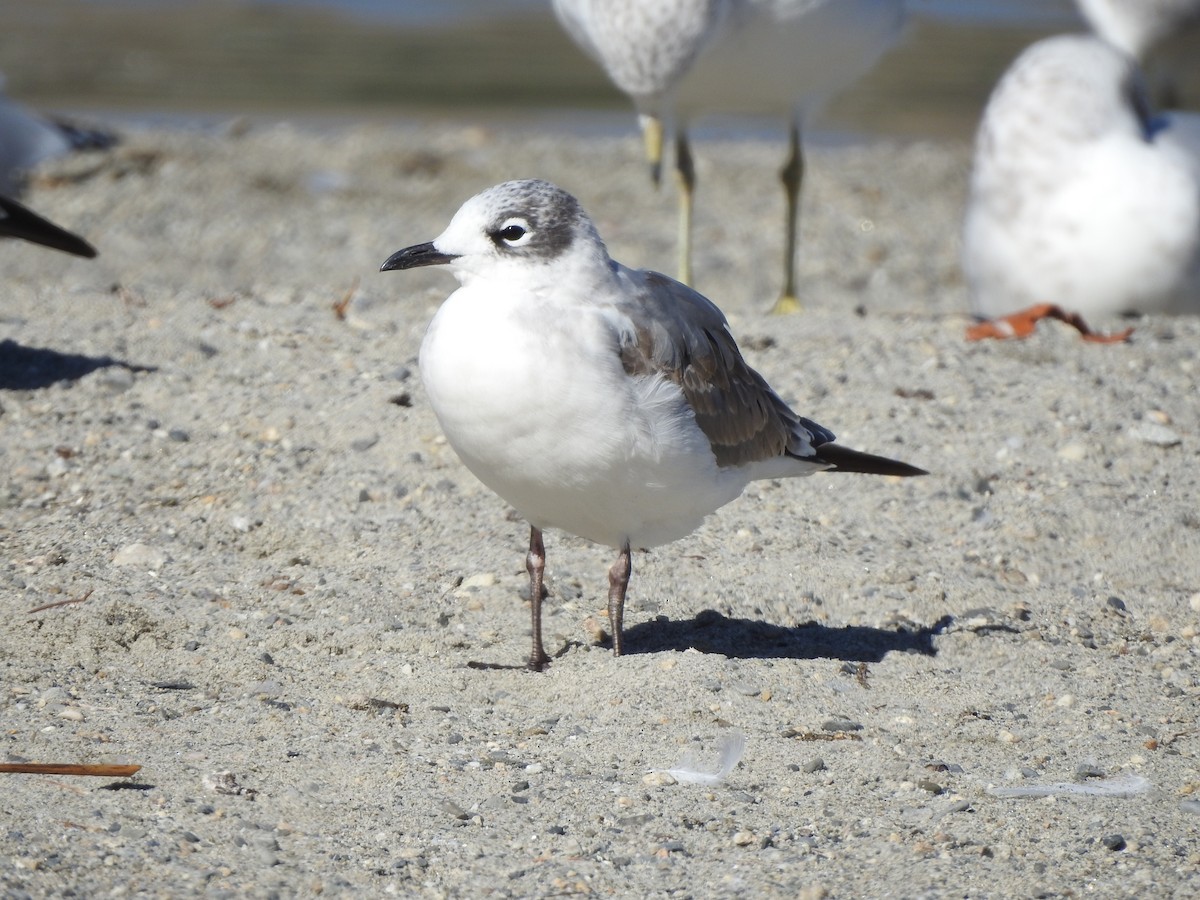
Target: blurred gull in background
point(678, 59)
point(28, 139)
point(1079, 197)
point(1135, 26)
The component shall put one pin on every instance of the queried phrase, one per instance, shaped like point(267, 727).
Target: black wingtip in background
point(843, 459)
point(21, 222)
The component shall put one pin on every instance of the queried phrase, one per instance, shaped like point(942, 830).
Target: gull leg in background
point(792, 177)
point(652, 138)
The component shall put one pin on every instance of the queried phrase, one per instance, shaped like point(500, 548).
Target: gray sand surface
point(284, 572)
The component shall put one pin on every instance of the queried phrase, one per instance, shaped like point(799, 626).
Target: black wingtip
point(21, 222)
point(844, 459)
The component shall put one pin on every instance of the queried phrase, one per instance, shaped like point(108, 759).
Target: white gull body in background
point(680, 59)
point(28, 138)
point(1079, 197)
point(608, 402)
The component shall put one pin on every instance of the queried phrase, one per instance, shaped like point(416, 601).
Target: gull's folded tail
point(843, 459)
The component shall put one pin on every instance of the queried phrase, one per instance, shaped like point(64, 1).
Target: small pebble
point(1113, 841)
point(598, 634)
point(982, 617)
point(480, 580)
point(1155, 434)
point(116, 380)
point(141, 555)
point(1073, 452)
point(838, 725)
point(455, 811)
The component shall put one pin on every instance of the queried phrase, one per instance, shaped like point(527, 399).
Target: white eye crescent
point(513, 233)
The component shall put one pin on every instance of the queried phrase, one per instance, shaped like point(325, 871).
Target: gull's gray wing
point(681, 335)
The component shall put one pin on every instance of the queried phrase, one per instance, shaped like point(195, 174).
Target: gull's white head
point(1135, 26)
point(528, 228)
point(1061, 93)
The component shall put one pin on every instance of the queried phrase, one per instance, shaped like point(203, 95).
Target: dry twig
point(98, 769)
point(38, 609)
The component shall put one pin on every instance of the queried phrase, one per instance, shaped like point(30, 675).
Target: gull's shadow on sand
point(711, 632)
point(30, 368)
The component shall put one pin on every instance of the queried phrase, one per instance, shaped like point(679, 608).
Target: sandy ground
point(282, 572)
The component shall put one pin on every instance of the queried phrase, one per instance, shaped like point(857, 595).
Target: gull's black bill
point(413, 257)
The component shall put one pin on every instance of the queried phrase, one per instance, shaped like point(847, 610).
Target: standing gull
point(1079, 198)
point(17, 221)
point(678, 59)
point(609, 402)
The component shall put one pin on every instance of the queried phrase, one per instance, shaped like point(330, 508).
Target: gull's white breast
point(531, 394)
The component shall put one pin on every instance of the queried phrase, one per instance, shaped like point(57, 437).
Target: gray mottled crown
point(554, 216)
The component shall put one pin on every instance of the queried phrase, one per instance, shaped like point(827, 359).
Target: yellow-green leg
point(792, 177)
point(685, 177)
point(652, 137)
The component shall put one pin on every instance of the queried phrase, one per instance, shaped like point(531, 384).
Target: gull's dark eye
point(514, 232)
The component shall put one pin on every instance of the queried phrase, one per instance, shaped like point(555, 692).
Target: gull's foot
point(786, 305)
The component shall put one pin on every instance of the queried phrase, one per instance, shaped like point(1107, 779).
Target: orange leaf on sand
point(1023, 323)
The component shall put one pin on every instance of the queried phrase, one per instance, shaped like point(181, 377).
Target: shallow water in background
point(485, 59)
